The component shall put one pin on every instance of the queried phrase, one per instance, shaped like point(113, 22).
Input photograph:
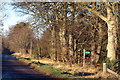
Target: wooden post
point(83, 57)
point(104, 68)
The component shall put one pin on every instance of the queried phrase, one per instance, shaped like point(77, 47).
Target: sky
point(13, 17)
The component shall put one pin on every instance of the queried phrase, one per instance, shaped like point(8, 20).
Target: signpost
point(83, 57)
point(85, 52)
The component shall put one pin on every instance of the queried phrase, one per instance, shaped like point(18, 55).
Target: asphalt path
point(14, 69)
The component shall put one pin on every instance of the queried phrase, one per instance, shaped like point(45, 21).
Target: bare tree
point(20, 36)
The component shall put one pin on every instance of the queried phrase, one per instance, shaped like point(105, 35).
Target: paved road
point(14, 69)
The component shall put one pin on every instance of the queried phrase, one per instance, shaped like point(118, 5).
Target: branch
point(97, 13)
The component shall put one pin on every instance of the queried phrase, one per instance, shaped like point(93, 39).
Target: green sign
point(87, 52)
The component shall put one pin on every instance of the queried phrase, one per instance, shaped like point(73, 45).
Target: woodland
point(61, 31)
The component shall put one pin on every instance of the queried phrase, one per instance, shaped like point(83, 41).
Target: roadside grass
point(49, 70)
point(46, 68)
point(65, 72)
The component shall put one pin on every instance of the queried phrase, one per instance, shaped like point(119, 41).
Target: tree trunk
point(112, 33)
point(111, 20)
point(62, 34)
point(63, 44)
point(74, 50)
point(93, 52)
point(53, 43)
point(70, 45)
point(71, 57)
point(112, 40)
point(20, 51)
point(60, 41)
point(31, 48)
point(99, 46)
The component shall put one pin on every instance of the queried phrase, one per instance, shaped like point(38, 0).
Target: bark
point(74, 44)
point(62, 34)
point(112, 33)
point(99, 46)
point(40, 52)
point(70, 47)
point(53, 43)
point(112, 40)
point(63, 44)
point(93, 52)
point(60, 39)
point(31, 49)
point(75, 50)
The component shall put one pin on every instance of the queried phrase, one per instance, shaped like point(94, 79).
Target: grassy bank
point(45, 68)
point(63, 70)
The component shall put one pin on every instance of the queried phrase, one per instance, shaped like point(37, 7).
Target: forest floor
point(65, 70)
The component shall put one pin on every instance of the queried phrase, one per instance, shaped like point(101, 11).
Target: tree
point(2, 16)
point(20, 37)
point(108, 15)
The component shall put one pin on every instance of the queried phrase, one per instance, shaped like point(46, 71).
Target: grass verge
point(45, 68)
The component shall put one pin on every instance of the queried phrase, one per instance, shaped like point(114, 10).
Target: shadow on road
point(7, 51)
point(13, 69)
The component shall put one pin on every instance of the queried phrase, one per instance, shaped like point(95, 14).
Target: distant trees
point(20, 37)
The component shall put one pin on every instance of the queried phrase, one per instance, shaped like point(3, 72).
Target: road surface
point(14, 69)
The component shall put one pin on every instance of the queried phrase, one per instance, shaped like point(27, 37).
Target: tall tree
point(107, 12)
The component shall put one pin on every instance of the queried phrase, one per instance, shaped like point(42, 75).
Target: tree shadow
point(7, 51)
point(66, 73)
point(83, 74)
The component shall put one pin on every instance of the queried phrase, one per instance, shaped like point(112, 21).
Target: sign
point(87, 52)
